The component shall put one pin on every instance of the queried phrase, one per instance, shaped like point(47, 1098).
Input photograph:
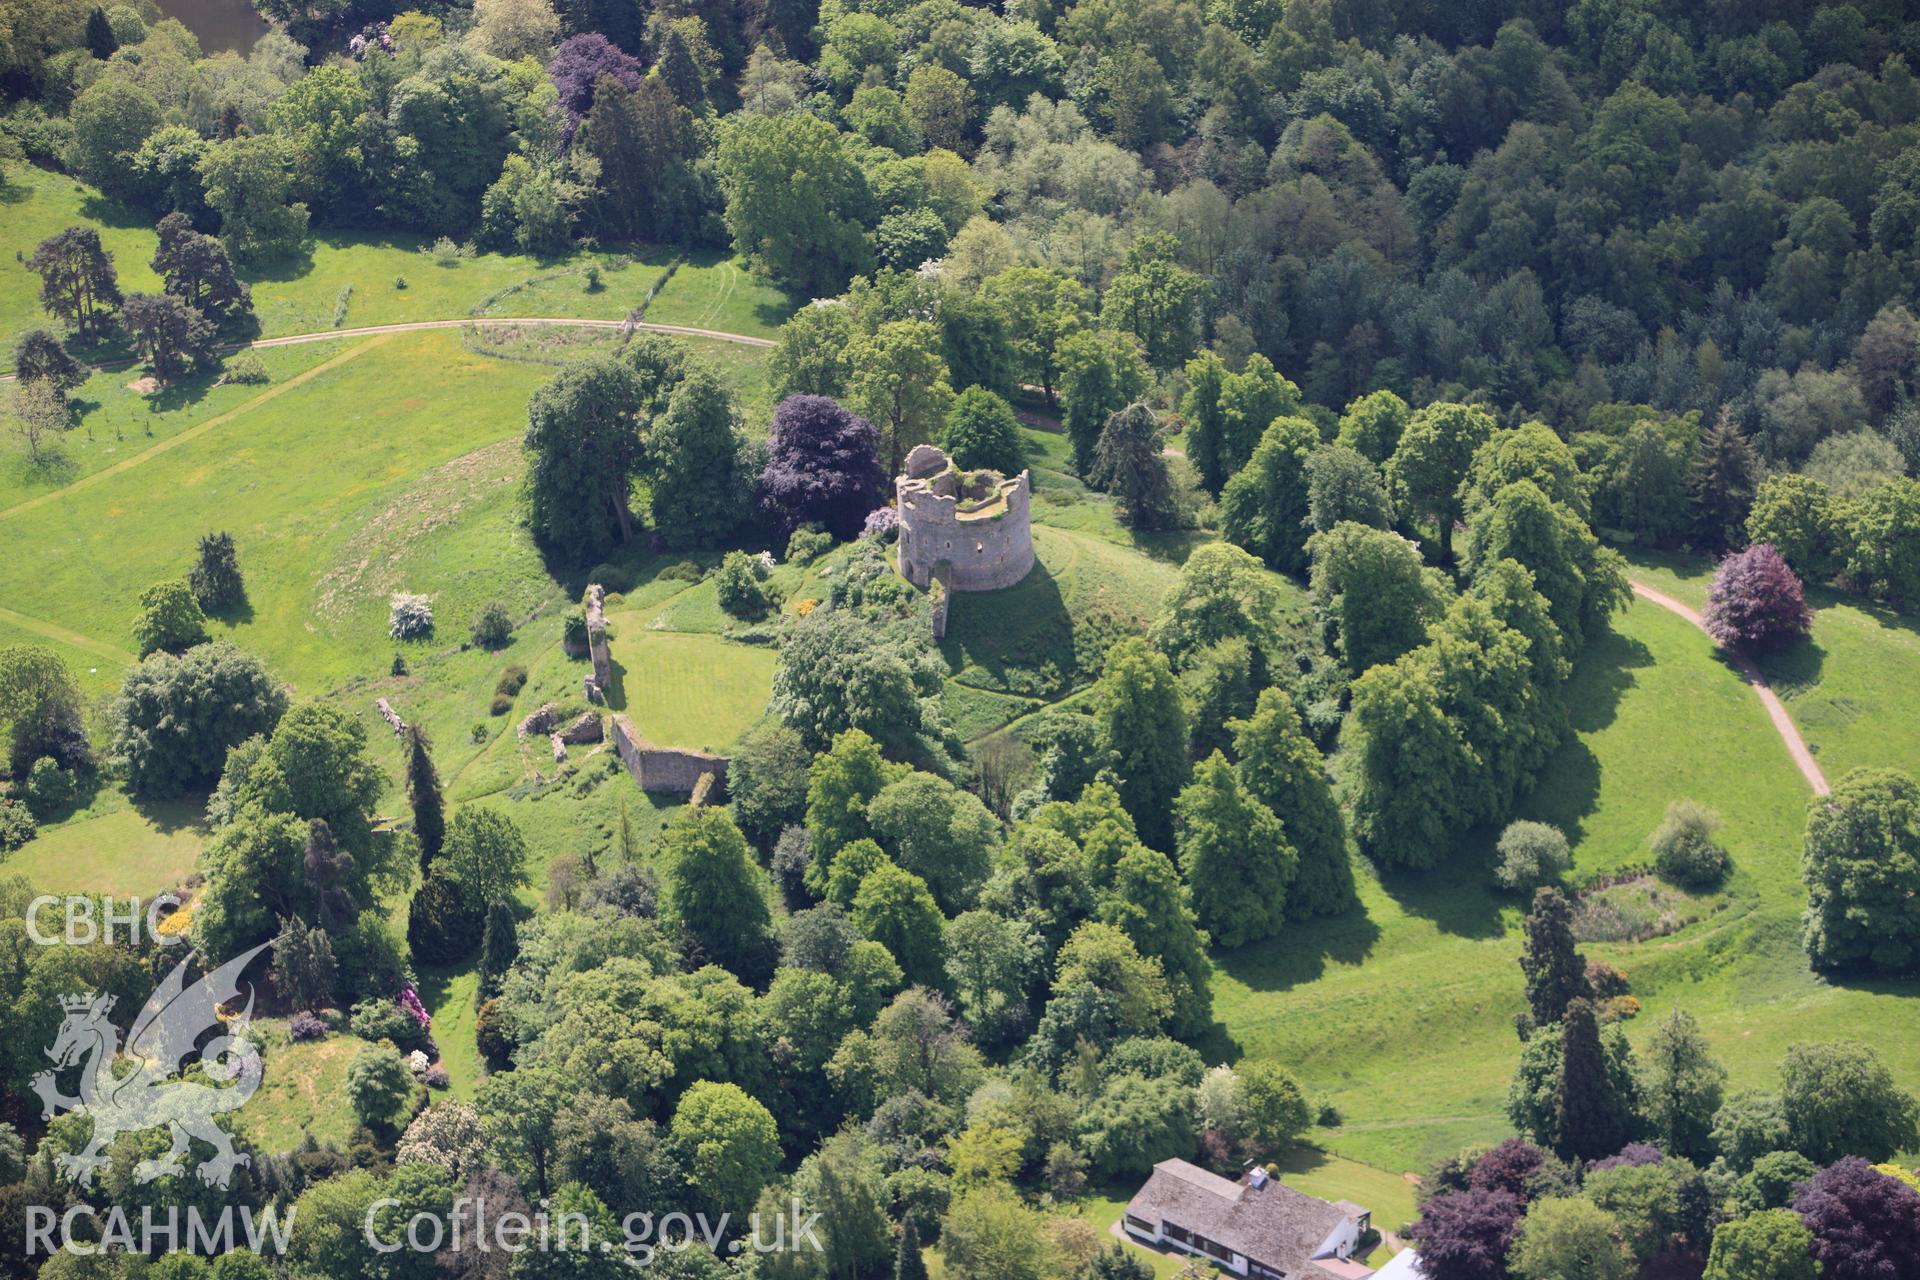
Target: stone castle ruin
point(658, 768)
point(961, 530)
point(602, 677)
point(699, 774)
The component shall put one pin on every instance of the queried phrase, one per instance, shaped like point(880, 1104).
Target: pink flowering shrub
point(1755, 601)
point(409, 1001)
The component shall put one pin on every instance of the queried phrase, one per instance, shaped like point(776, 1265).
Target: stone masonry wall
point(986, 536)
point(597, 650)
point(658, 768)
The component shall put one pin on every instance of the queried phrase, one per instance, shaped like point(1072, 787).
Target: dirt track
point(1776, 711)
point(410, 326)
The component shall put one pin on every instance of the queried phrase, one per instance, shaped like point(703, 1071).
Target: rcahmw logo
point(84, 1231)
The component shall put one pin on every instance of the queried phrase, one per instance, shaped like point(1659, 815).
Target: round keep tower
point(977, 522)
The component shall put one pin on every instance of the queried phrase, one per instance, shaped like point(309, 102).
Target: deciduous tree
point(1754, 601)
point(714, 893)
point(1431, 459)
point(1861, 864)
point(1680, 1087)
point(1865, 1225)
point(808, 233)
point(1101, 373)
point(899, 381)
point(249, 182)
point(1236, 856)
point(726, 1144)
point(692, 455)
point(1143, 729)
point(894, 908)
point(583, 442)
point(982, 432)
point(1281, 768)
point(1771, 1245)
point(1840, 1099)
point(1264, 507)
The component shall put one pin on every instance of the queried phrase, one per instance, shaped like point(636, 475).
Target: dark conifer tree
point(499, 948)
point(329, 871)
point(1593, 1120)
point(101, 42)
point(1556, 973)
point(908, 1263)
point(1725, 472)
point(215, 576)
point(423, 793)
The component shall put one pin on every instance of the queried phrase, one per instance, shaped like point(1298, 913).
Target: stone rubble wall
point(392, 717)
point(602, 677)
point(657, 768)
point(541, 721)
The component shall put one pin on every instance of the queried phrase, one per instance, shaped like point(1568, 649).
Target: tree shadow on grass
point(237, 613)
point(1169, 546)
point(1457, 896)
point(1791, 671)
point(109, 212)
point(436, 980)
point(181, 394)
point(1009, 632)
point(281, 269)
point(1298, 957)
point(169, 816)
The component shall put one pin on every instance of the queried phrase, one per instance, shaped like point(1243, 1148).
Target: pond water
point(220, 24)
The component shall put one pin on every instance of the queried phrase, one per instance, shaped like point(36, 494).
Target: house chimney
point(1257, 1177)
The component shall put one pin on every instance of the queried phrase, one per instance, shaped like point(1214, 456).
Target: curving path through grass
point(414, 326)
point(1776, 711)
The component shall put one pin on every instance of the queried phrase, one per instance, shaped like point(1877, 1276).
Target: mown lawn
point(113, 848)
point(1852, 688)
point(1400, 1014)
point(692, 690)
point(306, 295)
point(712, 290)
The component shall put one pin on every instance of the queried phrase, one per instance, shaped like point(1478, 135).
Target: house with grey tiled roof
point(1256, 1227)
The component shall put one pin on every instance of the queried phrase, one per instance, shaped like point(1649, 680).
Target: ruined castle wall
point(940, 599)
point(658, 768)
point(597, 644)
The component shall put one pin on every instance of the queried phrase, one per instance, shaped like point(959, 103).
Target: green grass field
point(113, 848)
point(692, 690)
point(300, 1091)
point(1400, 1015)
point(1850, 689)
point(710, 291)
